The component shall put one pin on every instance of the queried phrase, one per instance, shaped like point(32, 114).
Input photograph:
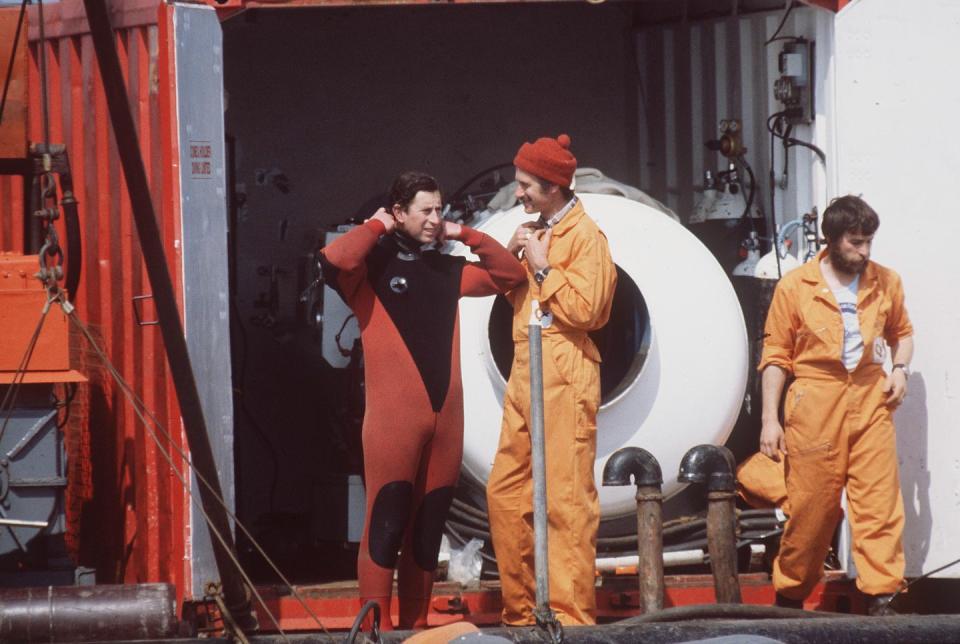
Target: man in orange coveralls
point(829, 325)
point(405, 295)
point(570, 273)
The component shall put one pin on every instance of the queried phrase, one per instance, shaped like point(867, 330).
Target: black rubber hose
point(466, 184)
point(71, 221)
point(468, 531)
point(725, 611)
point(355, 629)
point(470, 509)
point(466, 521)
point(473, 517)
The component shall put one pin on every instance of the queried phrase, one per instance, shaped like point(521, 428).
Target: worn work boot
point(785, 602)
point(879, 605)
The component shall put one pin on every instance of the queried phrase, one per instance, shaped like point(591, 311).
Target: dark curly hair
point(407, 185)
point(848, 214)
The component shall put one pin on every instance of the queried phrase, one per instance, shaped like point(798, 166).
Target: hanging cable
point(140, 409)
point(923, 576)
point(783, 21)
point(773, 194)
point(139, 412)
point(65, 404)
point(751, 194)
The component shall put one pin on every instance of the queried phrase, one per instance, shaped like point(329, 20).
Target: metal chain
point(49, 209)
point(48, 213)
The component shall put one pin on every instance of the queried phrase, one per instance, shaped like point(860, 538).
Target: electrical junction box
point(794, 88)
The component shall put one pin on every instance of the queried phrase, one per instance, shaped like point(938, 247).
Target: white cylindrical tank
point(687, 389)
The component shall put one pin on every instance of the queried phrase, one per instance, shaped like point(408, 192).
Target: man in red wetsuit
point(405, 295)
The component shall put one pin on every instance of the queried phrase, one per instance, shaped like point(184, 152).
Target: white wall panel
point(893, 103)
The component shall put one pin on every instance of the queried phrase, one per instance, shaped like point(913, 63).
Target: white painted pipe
point(678, 558)
point(23, 523)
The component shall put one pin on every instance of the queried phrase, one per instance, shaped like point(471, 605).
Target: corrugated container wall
point(692, 75)
point(132, 522)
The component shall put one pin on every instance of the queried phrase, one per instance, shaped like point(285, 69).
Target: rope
point(11, 394)
point(167, 456)
point(140, 409)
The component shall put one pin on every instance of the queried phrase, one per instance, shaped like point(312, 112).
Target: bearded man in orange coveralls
point(405, 295)
point(829, 326)
point(570, 273)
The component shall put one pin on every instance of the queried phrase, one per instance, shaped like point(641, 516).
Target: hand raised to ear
point(385, 218)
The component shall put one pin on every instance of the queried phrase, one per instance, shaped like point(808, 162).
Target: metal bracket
point(136, 310)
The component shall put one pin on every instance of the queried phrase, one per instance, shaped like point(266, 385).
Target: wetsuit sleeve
point(579, 292)
point(497, 271)
point(344, 259)
point(898, 322)
point(780, 331)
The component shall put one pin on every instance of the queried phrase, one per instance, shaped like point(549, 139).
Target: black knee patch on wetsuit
point(428, 527)
point(388, 520)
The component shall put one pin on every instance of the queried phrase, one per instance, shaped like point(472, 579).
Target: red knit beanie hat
point(548, 159)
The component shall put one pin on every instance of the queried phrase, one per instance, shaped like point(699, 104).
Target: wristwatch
point(541, 275)
point(904, 368)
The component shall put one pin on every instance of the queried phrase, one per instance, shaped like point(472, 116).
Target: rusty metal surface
point(87, 613)
point(133, 508)
point(722, 545)
point(13, 127)
point(650, 547)
point(68, 18)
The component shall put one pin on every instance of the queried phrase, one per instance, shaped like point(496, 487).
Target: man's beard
point(844, 265)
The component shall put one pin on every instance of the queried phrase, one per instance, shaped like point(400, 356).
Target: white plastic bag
point(465, 563)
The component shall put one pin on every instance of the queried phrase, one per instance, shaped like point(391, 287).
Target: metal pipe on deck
point(88, 613)
point(637, 465)
point(714, 466)
point(538, 457)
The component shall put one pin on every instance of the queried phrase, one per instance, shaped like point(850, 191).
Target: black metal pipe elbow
point(635, 461)
point(710, 464)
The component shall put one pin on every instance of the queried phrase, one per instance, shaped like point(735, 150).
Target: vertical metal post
point(637, 465)
point(714, 466)
point(650, 547)
point(722, 546)
point(538, 449)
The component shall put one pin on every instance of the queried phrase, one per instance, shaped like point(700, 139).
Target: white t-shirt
point(852, 339)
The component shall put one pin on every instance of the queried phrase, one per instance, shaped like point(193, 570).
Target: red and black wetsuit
point(406, 303)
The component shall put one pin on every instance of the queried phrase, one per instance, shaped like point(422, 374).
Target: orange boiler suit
point(578, 292)
point(838, 428)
